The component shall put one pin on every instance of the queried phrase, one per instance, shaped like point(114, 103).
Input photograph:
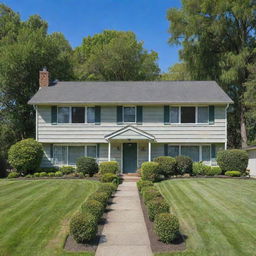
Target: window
point(129, 114)
point(90, 114)
point(191, 151)
point(203, 115)
point(74, 152)
point(174, 115)
point(77, 114)
point(91, 151)
point(60, 155)
point(63, 114)
point(206, 153)
point(173, 151)
point(188, 114)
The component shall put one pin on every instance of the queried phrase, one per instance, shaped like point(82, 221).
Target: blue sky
point(79, 18)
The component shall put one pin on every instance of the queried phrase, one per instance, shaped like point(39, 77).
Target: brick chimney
point(43, 78)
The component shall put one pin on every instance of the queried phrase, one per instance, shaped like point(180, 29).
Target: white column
point(109, 151)
point(149, 151)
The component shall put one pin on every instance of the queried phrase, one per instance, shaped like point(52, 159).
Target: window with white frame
point(90, 114)
point(60, 155)
point(74, 152)
point(78, 114)
point(174, 115)
point(63, 114)
point(129, 114)
point(206, 153)
point(92, 151)
point(188, 114)
point(173, 150)
point(202, 114)
point(191, 151)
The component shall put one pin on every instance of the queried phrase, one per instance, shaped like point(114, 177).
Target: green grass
point(34, 214)
point(218, 216)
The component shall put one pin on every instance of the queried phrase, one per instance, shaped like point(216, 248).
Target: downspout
point(35, 108)
point(226, 127)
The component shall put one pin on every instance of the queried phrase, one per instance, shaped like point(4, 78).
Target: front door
point(129, 157)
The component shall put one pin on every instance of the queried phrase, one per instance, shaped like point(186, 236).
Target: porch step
point(134, 177)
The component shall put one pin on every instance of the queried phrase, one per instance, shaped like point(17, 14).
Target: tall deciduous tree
point(218, 39)
point(177, 72)
point(116, 56)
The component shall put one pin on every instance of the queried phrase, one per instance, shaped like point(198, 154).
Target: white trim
point(121, 148)
point(149, 151)
point(109, 151)
point(226, 128)
point(137, 162)
point(36, 122)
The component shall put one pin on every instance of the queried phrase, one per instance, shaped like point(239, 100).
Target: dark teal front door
point(129, 157)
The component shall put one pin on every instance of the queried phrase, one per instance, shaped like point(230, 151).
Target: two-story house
point(130, 122)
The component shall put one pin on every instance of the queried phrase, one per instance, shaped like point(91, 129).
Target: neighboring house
point(130, 122)
point(252, 160)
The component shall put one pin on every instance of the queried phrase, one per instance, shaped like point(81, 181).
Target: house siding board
point(152, 123)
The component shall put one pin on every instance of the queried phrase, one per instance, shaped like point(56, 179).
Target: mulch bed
point(156, 245)
point(72, 246)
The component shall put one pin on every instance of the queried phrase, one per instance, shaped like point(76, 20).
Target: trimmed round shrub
point(149, 171)
point(87, 165)
point(108, 188)
point(42, 174)
point(67, 169)
point(167, 165)
point(36, 174)
point(232, 160)
point(214, 170)
point(12, 175)
point(28, 176)
point(198, 168)
point(93, 207)
point(144, 183)
point(150, 194)
point(58, 174)
point(101, 197)
point(184, 164)
point(83, 227)
point(109, 167)
point(166, 227)
point(233, 173)
point(157, 206)
point(26, 155)
point(110, 177)
point(51, 174)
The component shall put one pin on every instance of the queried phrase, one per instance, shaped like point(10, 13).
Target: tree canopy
point(177, 72)
point(218, 43)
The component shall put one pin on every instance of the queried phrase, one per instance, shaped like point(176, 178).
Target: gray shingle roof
point(152, 92)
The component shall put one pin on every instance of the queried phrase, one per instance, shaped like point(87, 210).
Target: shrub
point(42, 174)
point(109, 167)
point(87, 165)
point(12, 175)
point(149, 188)
point(83, 227)
point(156, 206)
point(93, 207)
point(48, 169)
point(28, 176)
point(109, 177)
point(166, 227)
point(25, 155)
point(144, 183)
point(233, 173)
point(108, 188)
point(36, 174)
point(58, 174)
point(232, 160)
point(151, 194)
point(183, 165)
point(101, 197)
point(149, 171)
point(51, 174)
point(214, 170)
point(67, 169)
point(198, 168)
point(167, 165)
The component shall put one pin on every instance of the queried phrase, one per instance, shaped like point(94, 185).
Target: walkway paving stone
point(125, 233)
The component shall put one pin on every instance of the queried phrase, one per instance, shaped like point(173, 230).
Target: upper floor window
point(90, 114)
point(188, 114)
point(174, 115)
point(63, 114)
point(78, 114)
point(129, 114)
point(202, 114)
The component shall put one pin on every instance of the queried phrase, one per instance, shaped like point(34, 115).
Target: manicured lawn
point(218, 216)
point(34, 214)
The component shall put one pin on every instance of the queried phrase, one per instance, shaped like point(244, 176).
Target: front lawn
point(34, 214)
point(218, 216)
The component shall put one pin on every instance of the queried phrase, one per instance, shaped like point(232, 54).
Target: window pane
point(206, 153)
point(74, 152)
point(60, 155)
point(173, 151)
point(174, 112)
point(188, 115)
point(191, 151)
point(129, 114)
point(203, 115)
point(91, 115)
point(63, 115)
point(77, 114)
point(91, 151)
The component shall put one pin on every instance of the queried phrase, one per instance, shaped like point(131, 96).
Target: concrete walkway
point(125, 233)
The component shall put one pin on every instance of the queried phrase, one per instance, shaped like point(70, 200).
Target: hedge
point(101, 197)
point(109, 167)
point(67, 169)
point(167, 165)
point(144, 183)
point(233, 173)
point(12, 175)
point(149, 171)
point(110, 177)
point(156, 206)
point(93, 207)
point(151, 194)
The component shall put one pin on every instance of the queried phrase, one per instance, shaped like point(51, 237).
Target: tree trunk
point(243, 128)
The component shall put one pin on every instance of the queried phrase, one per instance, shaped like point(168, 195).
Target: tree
point(177, 72)
point(218, 39)
point(116, 56)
